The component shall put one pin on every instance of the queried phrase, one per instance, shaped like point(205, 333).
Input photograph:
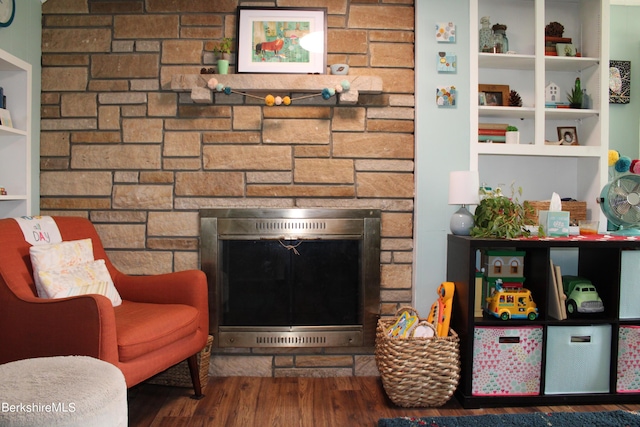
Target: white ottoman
point(62, 391)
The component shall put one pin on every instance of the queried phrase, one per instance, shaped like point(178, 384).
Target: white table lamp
point(463, 190)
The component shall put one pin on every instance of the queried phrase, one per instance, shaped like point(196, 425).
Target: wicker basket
point(179, 375)
point(577, 210)
point(417, 372)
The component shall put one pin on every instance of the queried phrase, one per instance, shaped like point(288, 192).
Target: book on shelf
point(494, 138)
point(552, 39)
point(499, 132)
point(557, 104)
point(499, 126)
point(555, 308)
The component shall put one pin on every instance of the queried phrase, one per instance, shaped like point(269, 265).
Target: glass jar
point(500, 40)
point(485, 35)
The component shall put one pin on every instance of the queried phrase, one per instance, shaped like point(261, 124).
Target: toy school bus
point(512, 303)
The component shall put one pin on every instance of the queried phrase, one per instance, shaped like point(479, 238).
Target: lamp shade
point(463, 188)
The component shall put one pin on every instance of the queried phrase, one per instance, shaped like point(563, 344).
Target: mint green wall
point(442, 141)
point(624, 119)
point(23, 39)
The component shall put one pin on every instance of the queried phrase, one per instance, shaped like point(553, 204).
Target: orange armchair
point(163, 319)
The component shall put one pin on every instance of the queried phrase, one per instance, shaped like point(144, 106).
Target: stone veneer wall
point(139, 160)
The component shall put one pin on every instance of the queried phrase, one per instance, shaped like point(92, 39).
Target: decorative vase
point(512, 137)
point(223, 66)
point(485, 35)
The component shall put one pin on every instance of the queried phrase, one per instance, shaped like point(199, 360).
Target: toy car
point(512, 303)
point(582, 296)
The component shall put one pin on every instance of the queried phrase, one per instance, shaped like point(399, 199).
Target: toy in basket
point(417, 371)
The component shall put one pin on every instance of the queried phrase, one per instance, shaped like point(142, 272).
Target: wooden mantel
point(276, 84)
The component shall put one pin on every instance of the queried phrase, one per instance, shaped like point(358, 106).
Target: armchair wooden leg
point(195, 376)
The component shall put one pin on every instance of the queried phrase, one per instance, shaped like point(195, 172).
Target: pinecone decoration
point(554, 29)
point(514, 99)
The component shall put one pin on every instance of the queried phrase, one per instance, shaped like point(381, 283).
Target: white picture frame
point(282, 40)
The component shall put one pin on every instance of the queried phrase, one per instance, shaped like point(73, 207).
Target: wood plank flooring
point(289, 402)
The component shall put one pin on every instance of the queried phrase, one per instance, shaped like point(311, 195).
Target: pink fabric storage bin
point(628, 359)
point(506, 361)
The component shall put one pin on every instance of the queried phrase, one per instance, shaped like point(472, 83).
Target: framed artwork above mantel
point(282, 40)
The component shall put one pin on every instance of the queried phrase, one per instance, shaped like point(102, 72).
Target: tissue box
point(554, 224)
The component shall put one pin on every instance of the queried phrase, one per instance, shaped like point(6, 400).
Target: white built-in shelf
point(15, 142)
point(7, 131)
point(506, 61)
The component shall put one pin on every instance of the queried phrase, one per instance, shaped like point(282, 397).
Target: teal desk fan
point(620, 203)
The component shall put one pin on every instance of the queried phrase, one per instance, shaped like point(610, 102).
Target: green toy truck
point(582, 296)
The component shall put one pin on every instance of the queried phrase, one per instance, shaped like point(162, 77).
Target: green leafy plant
point(574, 97)
point(224, 46)
point(512, 129)
point(499, 216)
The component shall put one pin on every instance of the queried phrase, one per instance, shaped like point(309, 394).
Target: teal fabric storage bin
point(578, 359)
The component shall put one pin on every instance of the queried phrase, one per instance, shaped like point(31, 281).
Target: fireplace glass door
point(291, 282)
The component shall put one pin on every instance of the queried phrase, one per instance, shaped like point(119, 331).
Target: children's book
point(403, 326)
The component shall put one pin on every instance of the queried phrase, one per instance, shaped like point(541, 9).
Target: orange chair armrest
point(181, 287)
point(82, 325)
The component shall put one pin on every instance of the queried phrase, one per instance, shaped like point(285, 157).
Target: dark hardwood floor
point(288, 402)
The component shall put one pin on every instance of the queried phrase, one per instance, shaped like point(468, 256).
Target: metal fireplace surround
point(240, 236)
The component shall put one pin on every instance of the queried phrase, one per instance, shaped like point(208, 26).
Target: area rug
point(536, 419)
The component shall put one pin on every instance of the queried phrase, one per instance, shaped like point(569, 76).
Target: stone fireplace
point(141, 160)
point(292, 277)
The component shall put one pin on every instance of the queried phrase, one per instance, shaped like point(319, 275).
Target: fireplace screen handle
point(291, 247)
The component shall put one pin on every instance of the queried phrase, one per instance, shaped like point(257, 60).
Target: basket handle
point(410, 309)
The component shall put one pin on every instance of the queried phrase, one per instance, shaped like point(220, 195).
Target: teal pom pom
point(219, 87)
point(227, 90)
point(326, 94)
point(345, 84)
point(623, 163)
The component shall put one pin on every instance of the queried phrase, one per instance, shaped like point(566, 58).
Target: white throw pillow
point(58, 255)
point(81, 279)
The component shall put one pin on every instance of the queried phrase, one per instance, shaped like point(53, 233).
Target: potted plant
point(223, 52)
point(575, 98)
point(499, 216)
point(512, 136)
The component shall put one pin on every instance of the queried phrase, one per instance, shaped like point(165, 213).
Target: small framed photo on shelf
point(494, 95)
point(282, 40)
point(568, 135)
point(5, 118)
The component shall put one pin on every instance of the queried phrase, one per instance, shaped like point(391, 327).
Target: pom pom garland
point(623, 163)
point(613, 157)
point(636, 167)
point(271, 100)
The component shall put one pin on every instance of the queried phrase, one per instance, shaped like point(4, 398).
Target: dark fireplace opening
point(292, 277)
point(291, 282)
